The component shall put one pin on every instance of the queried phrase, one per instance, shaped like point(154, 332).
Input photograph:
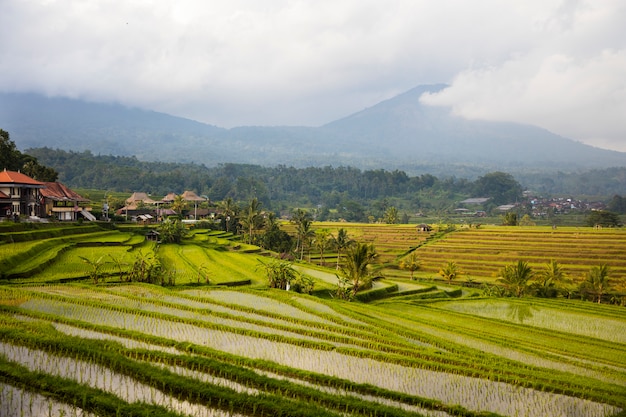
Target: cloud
point(572, 82)
point(310, 62)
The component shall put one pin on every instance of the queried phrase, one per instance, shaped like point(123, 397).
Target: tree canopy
point(13, 160)
point(603, 218)
point(501, 187)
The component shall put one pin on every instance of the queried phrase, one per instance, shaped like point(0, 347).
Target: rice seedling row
point(502, 343)
point(481, 253)
point(338, 366)
point(570, 349)
point(317, 352)
point(612, 330)
point(95, 371)
point(16, 401)
point(311, 330)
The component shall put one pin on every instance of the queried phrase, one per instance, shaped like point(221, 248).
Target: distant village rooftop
point(475, 200)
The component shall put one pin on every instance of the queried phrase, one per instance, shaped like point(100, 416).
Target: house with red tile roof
point(19, 195)
point(64, 204)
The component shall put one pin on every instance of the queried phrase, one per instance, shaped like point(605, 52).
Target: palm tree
point(391, 215)
point(597, 282)
point(411, 263)
point(449, 271)
point(229, 211)
point(179, 204)
point(341, 242)
point(302, 220)
point(306, 235)
point(321, 242)
point(550, 279)
point(121, 267)
point(356, 270)
point(252, 219)
point(515, 278)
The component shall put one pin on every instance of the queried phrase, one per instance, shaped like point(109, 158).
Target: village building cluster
point(24, 197)
point(533, 205)
point(140, 207)
point(20, 195)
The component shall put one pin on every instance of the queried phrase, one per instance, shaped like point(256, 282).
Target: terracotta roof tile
point(12, 177)
point(58, 191)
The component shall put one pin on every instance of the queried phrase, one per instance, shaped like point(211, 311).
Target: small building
point(64, 204)
point(476, 200)
point(423, 227)
point(505, 207)
point(169, 198)
point(192, 197)
point(145, 218)
point(19, 195)
point(136, 205)
point(153, 235)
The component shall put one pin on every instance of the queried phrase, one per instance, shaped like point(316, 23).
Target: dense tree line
point(596, 182)
point(351, 193)
point(12, 159)
point(617, 204)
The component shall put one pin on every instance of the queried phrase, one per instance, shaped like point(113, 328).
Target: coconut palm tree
point(229, 212)
point(321, 242)
point(179, 204)
point(411, 263)
point(356, 270)
point(515, 278)
point(597, 282)
point(304, 233)
point(550, 279)
point(341, 242)
point(450, 271)
point(252, 219)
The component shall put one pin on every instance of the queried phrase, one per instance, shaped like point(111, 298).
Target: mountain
point(399, 133)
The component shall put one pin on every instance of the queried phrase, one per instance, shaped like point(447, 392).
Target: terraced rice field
point(208, 257)
point(481, 253)
point(390, 240)
point(208, 350)
point(144, 350)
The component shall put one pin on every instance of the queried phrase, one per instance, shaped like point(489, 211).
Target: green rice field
point(216, 341)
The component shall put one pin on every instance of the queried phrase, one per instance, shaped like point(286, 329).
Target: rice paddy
point(204, 347)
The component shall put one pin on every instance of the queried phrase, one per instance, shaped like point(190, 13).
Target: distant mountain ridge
point(398, 133)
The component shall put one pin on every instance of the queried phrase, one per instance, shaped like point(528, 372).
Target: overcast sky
point(557, 64)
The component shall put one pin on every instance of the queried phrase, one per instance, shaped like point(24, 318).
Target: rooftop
point(59, 192)
point(17, 178)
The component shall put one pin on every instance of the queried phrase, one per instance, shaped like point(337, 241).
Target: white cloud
point(310, 62)
point(572, 82)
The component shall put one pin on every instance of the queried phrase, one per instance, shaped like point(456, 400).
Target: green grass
point(70, 263)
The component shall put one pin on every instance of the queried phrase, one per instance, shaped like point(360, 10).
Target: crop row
point(30, 258)
point(196, 381)
point(411, 352)
point(482, 253)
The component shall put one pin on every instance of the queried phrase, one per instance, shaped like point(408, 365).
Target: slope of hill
point(399, 133)
point(402, 127)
